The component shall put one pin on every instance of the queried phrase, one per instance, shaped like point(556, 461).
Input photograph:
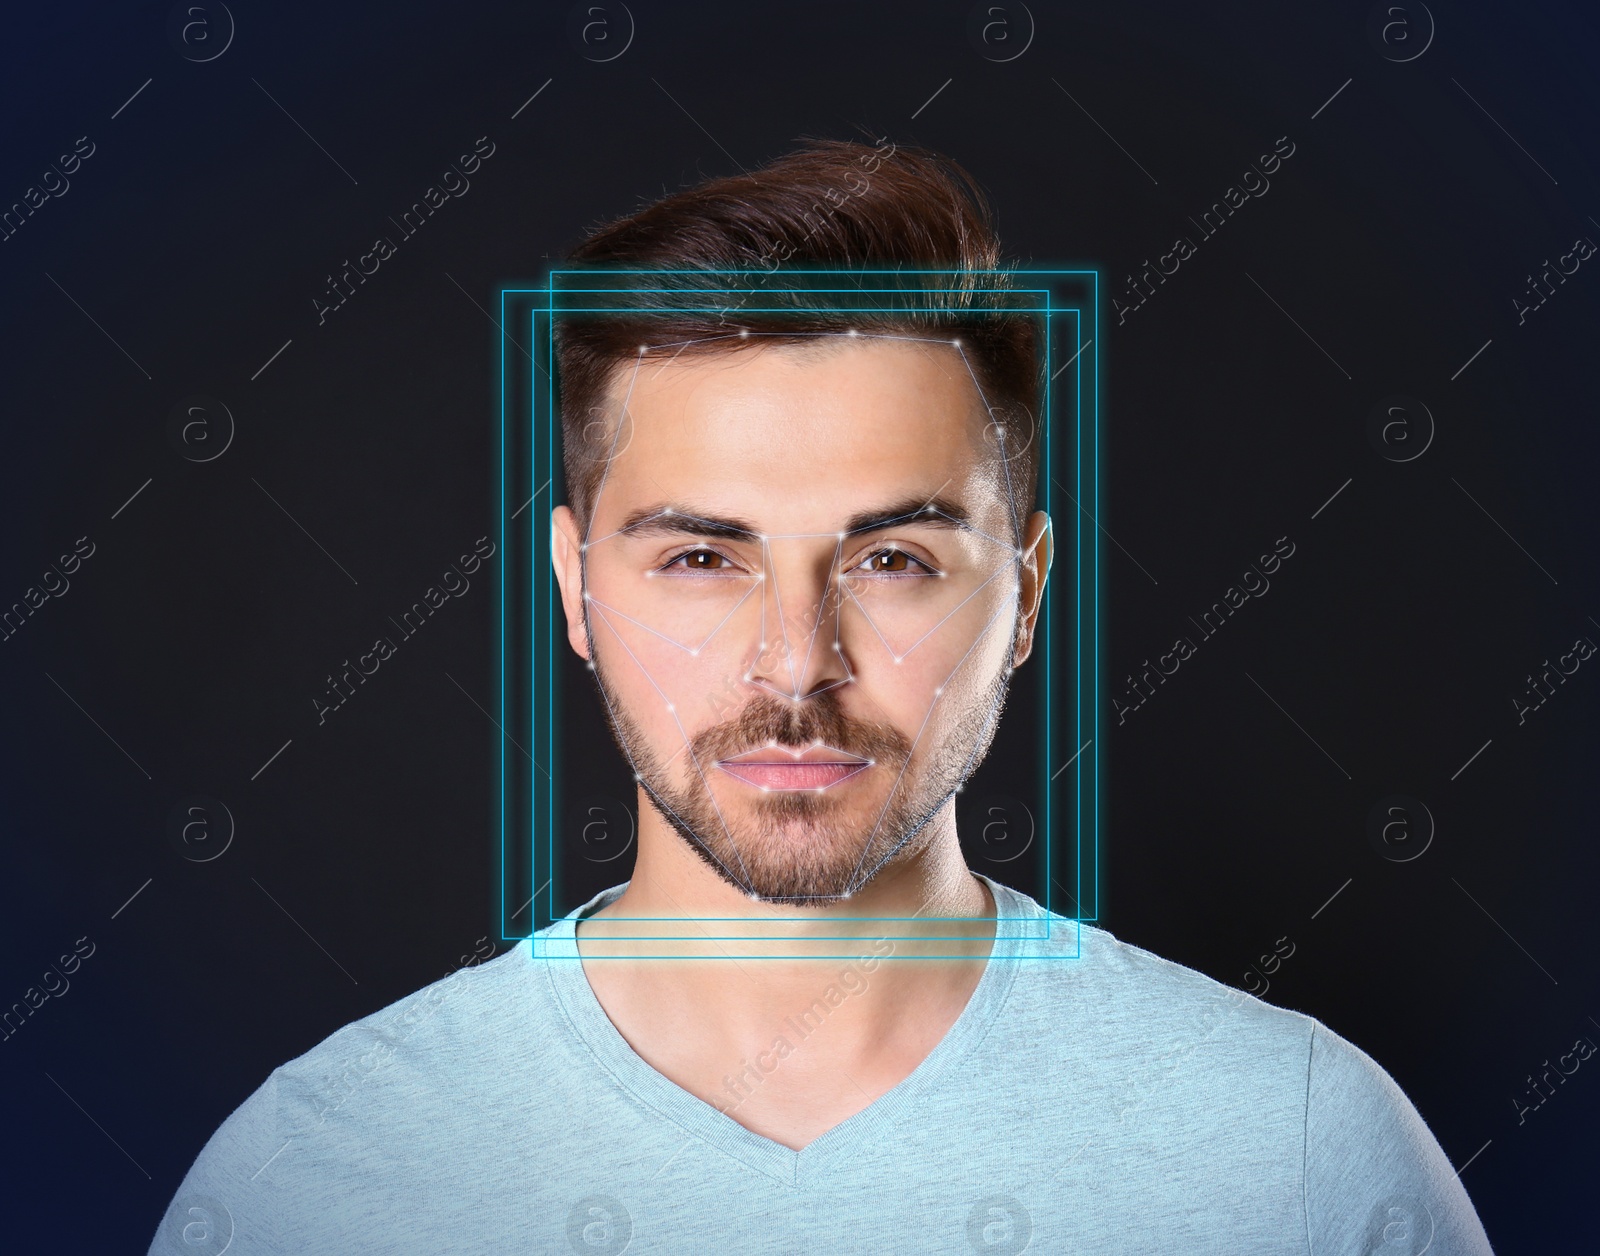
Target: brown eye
point(892, 561)
point(703, 560)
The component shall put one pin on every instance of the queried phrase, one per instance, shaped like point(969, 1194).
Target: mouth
point(775, 767)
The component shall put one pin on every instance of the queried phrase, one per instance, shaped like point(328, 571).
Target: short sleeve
point(1376, 1180)
point(225, 1202)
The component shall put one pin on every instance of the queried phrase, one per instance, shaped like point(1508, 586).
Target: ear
point(566, 552)
point(1038, 547)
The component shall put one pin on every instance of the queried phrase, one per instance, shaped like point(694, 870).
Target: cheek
point(902, 694)
point(644, 674)
point(669, 619)
point(938, 684)
point(960, 640)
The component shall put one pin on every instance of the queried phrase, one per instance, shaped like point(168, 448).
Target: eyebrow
point(935, 511)
point(676, 520)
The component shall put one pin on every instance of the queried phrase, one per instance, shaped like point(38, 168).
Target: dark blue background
point(1388, 651)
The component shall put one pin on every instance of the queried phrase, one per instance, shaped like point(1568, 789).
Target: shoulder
point(1375, 1174)
point(340, 1107)
point(1135, 991)
point(481, 1000)
point(1192, 1053)
point(1372, 1172)
point(1161, 1055)
point(1062, 960)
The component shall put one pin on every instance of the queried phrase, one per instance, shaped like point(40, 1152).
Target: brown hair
point(830, 204)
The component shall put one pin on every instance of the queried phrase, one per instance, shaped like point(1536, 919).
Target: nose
point(799, 653)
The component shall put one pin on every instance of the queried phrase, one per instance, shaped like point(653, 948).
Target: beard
point(804, 847)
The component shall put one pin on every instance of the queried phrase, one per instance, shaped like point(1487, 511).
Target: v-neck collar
point(559, 954)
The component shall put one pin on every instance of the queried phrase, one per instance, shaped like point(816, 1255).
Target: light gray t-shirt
point(1112, 1102)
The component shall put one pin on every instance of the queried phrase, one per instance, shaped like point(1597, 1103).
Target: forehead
point(797, 438)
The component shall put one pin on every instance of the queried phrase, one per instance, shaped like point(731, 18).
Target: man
point(824, 521)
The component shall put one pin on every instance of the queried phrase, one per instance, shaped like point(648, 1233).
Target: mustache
point(765, 719)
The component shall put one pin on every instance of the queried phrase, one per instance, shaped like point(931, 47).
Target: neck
point(772, 962)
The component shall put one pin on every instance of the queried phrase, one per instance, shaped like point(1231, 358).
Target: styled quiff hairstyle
point(830, 204)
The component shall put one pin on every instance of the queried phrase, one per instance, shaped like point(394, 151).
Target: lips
point(778, 768)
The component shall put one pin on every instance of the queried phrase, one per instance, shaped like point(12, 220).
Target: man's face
point(802, 592)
